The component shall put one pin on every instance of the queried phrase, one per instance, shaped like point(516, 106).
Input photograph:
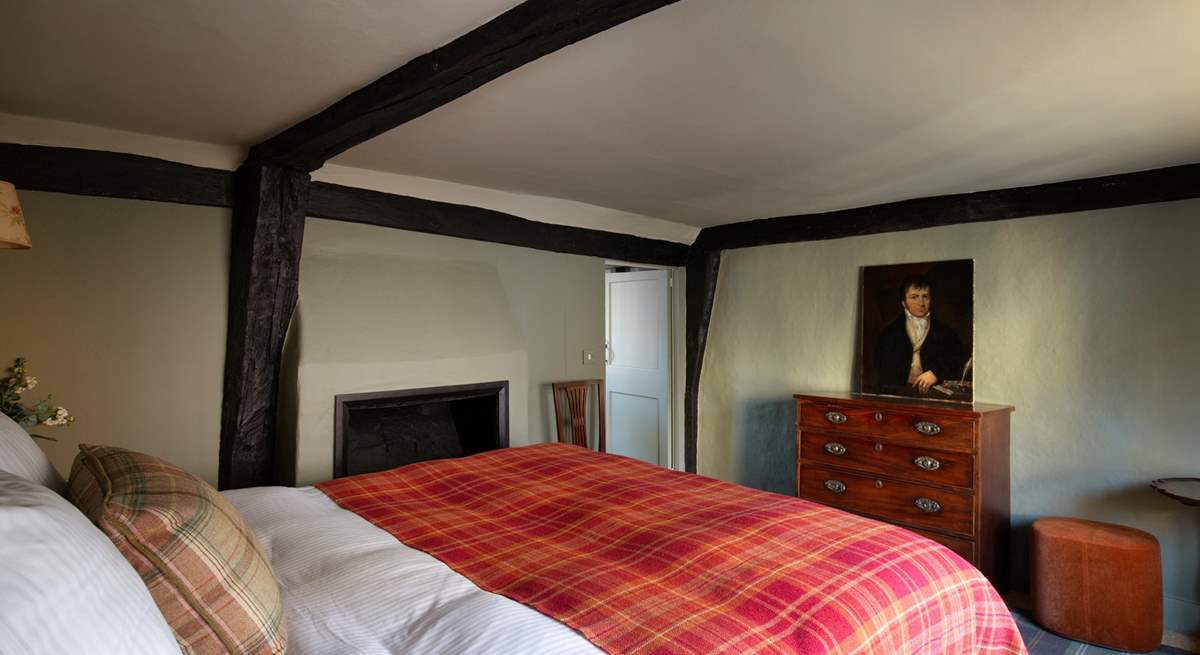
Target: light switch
point(589, 356)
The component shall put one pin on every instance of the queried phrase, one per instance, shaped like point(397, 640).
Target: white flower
point(30, 382)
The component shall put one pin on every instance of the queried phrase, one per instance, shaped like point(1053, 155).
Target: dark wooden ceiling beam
point(520, 35)
point(113, 175)
point(120, 175)
point(1157, 185)
point(466, 222)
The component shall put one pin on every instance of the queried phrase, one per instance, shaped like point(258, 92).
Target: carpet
point(1041, 642)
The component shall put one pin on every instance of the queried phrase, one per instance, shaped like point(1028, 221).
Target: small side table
point(1185, 490)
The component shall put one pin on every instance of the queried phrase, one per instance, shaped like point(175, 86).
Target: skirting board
point(1182, 612)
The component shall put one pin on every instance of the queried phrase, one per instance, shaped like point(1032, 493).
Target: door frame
point(676, 331)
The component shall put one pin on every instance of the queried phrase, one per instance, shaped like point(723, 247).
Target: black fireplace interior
point(385, 429)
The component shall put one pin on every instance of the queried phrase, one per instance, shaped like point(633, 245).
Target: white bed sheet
point(349, 587)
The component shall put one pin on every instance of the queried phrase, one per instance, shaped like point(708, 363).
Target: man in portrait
point(916, 351)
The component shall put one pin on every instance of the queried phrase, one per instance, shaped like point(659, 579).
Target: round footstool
point(1097, 582)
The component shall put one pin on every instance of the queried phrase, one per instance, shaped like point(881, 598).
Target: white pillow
point(20, 455)
point(64, 587)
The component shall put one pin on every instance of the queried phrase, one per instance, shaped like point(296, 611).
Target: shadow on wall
point(856, 361)
point(765, 456)
point(546, 407)
point(288, 406)
point(1131, 499)
point(1178, 539)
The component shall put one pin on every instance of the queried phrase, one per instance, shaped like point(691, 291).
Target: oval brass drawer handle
point(928, 428)
point(927, 463)
point(836, 486)
point(837, 418)
point(835, 448)
point(928, 505)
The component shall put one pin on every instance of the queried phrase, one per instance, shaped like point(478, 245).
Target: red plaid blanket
point(640, 559)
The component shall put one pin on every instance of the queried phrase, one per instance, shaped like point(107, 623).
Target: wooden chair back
point(570, 407)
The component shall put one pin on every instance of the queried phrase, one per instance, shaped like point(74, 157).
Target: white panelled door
point(637, 380)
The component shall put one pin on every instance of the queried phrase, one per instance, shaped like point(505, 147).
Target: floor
point(1040, 642)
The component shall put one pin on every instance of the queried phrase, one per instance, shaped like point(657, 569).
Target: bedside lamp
point(12, 222)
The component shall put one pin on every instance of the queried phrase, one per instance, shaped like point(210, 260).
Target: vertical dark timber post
point(703, 265)
point(264, 276)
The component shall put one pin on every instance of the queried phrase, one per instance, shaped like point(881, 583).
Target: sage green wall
point(120, 309)
point(386, 309)
point(1088, 323)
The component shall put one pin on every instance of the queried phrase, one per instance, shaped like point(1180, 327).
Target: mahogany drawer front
point(936, 430)
point(889, 458)
point(901, 502)
point(964, 547)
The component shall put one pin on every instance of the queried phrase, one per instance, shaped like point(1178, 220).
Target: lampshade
point(12, 222)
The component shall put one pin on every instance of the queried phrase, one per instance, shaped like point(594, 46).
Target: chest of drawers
point(938, 469)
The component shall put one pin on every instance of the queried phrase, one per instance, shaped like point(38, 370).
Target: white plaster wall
point(120, 308)
point(387, 309)
point(1088, 323)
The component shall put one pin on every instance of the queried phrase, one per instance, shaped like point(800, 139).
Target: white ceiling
point(704, 112)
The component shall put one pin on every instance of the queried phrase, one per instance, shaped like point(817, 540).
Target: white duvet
point(349, 587)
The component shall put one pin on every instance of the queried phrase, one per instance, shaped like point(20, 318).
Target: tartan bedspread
point(640, 559)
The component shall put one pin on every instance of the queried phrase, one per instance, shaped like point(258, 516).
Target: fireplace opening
point(384, 429)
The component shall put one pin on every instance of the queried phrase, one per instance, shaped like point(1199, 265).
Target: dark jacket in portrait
point(941, 353)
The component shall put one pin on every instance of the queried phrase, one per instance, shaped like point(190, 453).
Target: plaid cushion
point(202, 565)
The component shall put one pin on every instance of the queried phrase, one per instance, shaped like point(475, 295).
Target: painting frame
point(917, 330)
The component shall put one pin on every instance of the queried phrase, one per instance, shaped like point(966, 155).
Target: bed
point(546, 549)
point(843, 583)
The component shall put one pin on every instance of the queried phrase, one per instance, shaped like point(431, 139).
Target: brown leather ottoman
point(1097, 582)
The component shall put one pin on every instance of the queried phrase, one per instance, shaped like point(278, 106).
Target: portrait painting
point(918, 330)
